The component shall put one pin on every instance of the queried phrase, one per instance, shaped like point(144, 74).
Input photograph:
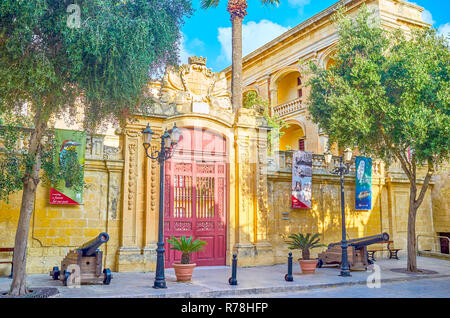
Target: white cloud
point(445, 31)
point(197, 43)
point(184, 54)
point(298, 3)
point(186, 47)
point(427, 17)
point(254, 35)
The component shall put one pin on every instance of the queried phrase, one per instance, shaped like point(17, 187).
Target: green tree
point(57, 57)
point(186, 247)
point(237, 10)
point(305, 243)
point(388, 92)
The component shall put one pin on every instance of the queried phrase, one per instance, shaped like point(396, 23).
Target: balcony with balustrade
point(287, 95)
point(290, 108)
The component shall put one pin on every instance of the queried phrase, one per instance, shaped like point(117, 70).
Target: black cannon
point(356, 251)
point(89, 248)
point(84, 264)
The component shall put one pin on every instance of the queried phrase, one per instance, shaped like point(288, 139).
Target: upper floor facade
point(275, 72)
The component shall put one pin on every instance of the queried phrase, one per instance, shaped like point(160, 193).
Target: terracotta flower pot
point(308, 266)
point(183, 271)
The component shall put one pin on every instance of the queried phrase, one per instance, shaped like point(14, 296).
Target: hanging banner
point(301, 179)
point(363, 183)
point(71, 145)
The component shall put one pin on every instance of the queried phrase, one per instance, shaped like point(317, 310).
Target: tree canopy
point(51, 67)
point(386, 91)
point(85, 59)
point(49, 61)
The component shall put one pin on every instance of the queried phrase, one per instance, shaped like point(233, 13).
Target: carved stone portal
point(192, 88)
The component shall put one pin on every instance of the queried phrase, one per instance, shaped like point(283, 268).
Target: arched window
point(293, 138)
point(289, 87)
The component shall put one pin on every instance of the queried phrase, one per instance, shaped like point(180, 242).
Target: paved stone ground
point(418, 288)
point(252, 281)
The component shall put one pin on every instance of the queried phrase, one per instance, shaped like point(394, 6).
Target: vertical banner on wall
point(301, 179)
point(63, 191)
point(363, 183)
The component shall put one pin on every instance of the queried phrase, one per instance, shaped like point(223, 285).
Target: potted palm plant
point(305, 243)
point(184, 268)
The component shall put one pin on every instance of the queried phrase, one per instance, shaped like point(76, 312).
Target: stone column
point(151, 182)
point(273, 98)
point(263, 246)
point(251, 190)
point(115, 171)
point(244, 225)
point(129, 254)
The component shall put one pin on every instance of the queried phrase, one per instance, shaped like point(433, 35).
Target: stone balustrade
point(281, 161)
point(288, 108)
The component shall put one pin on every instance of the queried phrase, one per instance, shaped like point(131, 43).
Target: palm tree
point(237, 10)
point(304, 243)
point(186, 247)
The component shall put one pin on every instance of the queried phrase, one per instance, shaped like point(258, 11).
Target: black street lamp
point(341, 170)
point(169, 140)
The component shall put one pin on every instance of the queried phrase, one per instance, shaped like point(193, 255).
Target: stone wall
point(56, 229)
point(389, 211)
point(440, 196)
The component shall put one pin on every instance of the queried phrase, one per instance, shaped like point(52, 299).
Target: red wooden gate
point(195, 196)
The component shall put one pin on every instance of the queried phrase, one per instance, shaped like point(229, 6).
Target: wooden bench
point(392, 251)
point(5, 250)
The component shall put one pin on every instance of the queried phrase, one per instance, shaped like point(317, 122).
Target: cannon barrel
point(364, 241)
point(89, 248)
point(370, 240)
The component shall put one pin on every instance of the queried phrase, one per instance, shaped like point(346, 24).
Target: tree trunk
point(236, 68)
point(411, 247)
point(31, 180)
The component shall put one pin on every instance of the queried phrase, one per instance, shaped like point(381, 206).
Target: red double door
point(195, 196)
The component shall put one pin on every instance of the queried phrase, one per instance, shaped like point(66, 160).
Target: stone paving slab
point(213, 281)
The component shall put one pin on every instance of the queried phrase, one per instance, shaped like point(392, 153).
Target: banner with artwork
point(301, 179)
point(363, 183)
point(70, 148)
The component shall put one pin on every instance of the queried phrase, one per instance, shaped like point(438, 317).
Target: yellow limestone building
point(221, 185)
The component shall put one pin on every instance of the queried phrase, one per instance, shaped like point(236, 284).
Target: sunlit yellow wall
point(121, 195)
point(389, 212)
point(441, 201)
point(287, 88)
point(289, 140)
point(56, 229)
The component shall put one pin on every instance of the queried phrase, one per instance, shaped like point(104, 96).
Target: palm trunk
point(305, 254)
point(31, 180)
point(236, 69)
point(185, 258)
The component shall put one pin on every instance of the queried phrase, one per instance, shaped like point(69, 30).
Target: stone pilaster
point(151, 195)
point(251, 190)
point(129, 253)
point(115, 171)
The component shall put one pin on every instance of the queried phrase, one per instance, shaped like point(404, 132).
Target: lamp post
point(341, 170)
point(169, 140)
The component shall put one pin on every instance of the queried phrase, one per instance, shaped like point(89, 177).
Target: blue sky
point(207, 33)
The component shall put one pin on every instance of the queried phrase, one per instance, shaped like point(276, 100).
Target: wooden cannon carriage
point(356, 251)
point(86, 262)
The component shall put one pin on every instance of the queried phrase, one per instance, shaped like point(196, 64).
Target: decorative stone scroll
point(192, 88)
